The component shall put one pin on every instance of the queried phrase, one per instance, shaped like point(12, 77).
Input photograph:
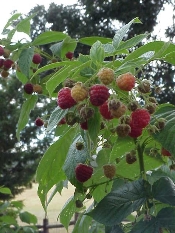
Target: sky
point(164, 18)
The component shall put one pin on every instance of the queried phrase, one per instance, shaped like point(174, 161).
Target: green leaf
point(122, 32)
point(170, 58)
point(103, 156)
point(49, 37)
point(74, 157)
point(55, 117)
point(113, 229)
point(97, 53)
point(5, 190)
point(14, 17)
point(25, 60)
point(8, 220)
point(91, 40)
point(21, 77)
point(119, 203)
point(27, 106)
point(67, 212)
point(49, 171)
point(28, 217)
point(166, 218)
point(58, 188)
point(94, 125)
point(150, 226)
point(132, 42)
point(57, 78)
point(166, 136)
point(163, 190)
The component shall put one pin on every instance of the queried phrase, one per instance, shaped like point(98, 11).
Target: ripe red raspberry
point(37, 58)
point(83, 172)
point(8, 64)
point(140, 117)
point(65, 99)
point(79, 92)
point(106, 75)
point(109, 170)
point(135, 131)
point(69, 55)
point(98, 94)
point(165, 152)
point(105, 112)
point(1, 51)
point(39, 122)
point(84, 125)
point(28, 88)
point(126, 81)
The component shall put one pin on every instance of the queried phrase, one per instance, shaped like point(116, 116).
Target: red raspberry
point(8, 64)
point(65, 99)
point(84, 125)
point(69, 55)
point(83, 172)
point(28, 88)
point(62, 122)
point(39, 122)
point(135, 131)
point(1, 51)
point(105, 112)
point(37, 58)
point(109, 170)
point(98, 94)
point(126, 81)
point(165, 152)
point(1, 62)
point(140, 117)
point(79, 92)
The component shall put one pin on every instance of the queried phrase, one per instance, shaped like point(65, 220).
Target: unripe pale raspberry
point(144, 86)
point(130, 158)
point(151, 107)
point(83, 172)
point(140, 117)
point(98, 94)
point(105, 112)
point(126, 81)
point(106, 75)
point(119, 112)
point(37, 58)
point(70, 118)
point(6, 53)
point(65, 99)
point(79, 92)
point(28, 88)
point(123, 130)
point(86, 113)
point(39, 122)
point(4, 73)
point(69, 83)
point(109, 170)
point(132, 106)
point(1, 51)
point(37, 88)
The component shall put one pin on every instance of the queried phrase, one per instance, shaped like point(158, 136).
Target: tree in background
point(88, 18)
point(18, 160)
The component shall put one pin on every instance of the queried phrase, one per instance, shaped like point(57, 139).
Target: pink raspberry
point(98, 94)
point(126, 81)
point(140, 117)
point(37, 58)
point(65, 99)
point(105, 112)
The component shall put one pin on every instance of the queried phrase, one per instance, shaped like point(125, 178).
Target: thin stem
point(141, 161)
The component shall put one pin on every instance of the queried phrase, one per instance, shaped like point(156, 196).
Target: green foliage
point(136, 184)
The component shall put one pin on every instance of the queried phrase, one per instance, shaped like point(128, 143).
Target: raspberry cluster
point(5, 62)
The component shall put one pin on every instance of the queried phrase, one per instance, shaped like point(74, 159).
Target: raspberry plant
point(115, 126)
